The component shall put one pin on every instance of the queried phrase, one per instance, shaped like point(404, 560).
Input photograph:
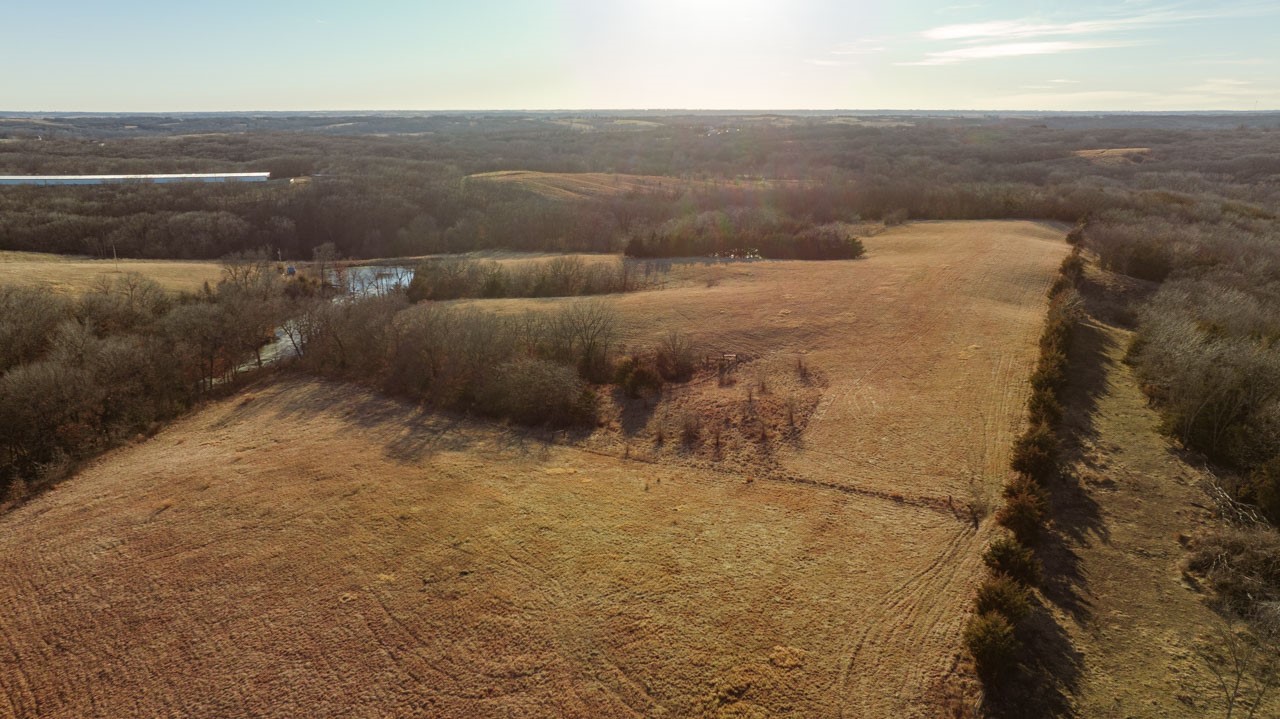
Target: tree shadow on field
point(408, 433)
point(1110, 297)
point(1047, 676)
point(1077, 518)
point(634, 414)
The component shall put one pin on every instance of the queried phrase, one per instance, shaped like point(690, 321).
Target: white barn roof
point(106, 179)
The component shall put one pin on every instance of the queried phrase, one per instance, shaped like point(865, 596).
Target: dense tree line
point(398, 195)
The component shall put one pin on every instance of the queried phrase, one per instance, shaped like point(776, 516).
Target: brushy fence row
point(569, 276)
point(1004, 601)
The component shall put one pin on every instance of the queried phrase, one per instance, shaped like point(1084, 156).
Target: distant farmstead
point(133, 179)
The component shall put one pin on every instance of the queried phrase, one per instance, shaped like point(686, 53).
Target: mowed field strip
point(75, 275)
point(307, 548)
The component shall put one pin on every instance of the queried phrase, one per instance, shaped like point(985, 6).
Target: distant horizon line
point(650, 111)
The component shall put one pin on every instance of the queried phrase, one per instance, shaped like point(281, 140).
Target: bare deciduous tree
point(1245, 661)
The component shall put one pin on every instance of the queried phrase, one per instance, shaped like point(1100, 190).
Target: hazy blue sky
point(147, 55)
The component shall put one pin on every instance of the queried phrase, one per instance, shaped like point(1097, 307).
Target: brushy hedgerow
point(1004, 600)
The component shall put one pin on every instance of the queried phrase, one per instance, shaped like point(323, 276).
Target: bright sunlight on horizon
point(147, 56)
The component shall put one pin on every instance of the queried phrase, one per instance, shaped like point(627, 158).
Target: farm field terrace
point(75, 275)
point(308, 547)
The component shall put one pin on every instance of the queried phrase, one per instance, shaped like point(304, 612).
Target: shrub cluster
point(1242, 564)
point(991, 633)
point(993, 643)
point(1022, 514)
point(1006, 596)
point(531, 369)
point(675, 359)
point(637, 374)
point(1006, 555)
point(537, 391)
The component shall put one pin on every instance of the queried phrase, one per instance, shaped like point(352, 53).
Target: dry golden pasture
point(1114, 155)
point(578, 185)
point(307, 548)
point(71, 274)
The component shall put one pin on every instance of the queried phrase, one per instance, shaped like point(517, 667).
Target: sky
point(180, 55)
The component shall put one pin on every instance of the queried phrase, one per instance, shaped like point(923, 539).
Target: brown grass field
point(579, 185)
point(74, 275)
point(1114, 155)
point(310, 549)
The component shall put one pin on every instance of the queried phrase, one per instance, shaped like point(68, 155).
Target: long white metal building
point(136, 179)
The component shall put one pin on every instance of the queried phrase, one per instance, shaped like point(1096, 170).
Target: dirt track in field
point(308, 549)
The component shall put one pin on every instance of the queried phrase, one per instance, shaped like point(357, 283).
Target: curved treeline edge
point(80, 375)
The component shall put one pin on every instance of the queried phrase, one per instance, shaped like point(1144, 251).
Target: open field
point(1114, 155)
point(905, 338)
point(309, 548)
point(578, 185)
point(65, 273)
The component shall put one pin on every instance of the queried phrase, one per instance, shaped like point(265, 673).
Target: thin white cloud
point(1013, 30)
point(1038, 36)
point(1086, 98)
point(1064, 81)
point(1187, 98)
point(1229, 87)
point(851, 53)
point(1027, 28)
point(865, 46)
point(1231, 61)
point(1012, 49)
